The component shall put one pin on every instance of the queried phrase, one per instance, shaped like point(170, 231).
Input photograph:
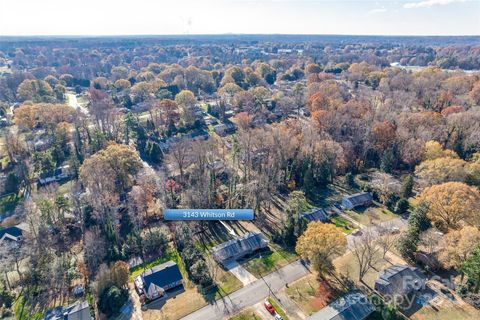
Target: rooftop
point(352, 306)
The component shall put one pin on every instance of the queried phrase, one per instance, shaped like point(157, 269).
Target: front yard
point(310, 295)
point(371, 215)
point(342, 223)
point(246, 315)
point(266, 262)
point(191, 299)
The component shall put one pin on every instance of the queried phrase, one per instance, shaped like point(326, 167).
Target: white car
point(278, 317)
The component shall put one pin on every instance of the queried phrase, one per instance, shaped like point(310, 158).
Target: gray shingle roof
point(162, 275)
point(316, 214)
point(399, 279)
point(352, 306)
point(359, 199)
point(235, 248)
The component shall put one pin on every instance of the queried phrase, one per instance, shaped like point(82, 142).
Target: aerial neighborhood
point(358, 156)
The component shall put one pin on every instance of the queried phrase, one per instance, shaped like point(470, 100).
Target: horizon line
point(230, 34)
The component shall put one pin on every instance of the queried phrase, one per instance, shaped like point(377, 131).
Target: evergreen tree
point(407, 187)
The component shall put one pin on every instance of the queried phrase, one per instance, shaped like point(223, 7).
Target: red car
point(269, 307)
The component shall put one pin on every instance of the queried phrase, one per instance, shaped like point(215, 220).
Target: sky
point(162, 17)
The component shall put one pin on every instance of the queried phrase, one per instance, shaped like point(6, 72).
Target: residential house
point(225, 129)
point(76, 311)
point(154, 282)
point(362, 199)
point(56, 175)
point(238, 248)
point(352, 306)
point(399, 280)
point(316, 214)
point(11, 234)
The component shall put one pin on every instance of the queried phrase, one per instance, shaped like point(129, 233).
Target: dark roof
point(359, 198)
point(162, 275)
point(236, 247)
point(13, 231)
point(315, 214)
point(352, 306)
point(62, 313)
point(398, 279)
point(74, 308)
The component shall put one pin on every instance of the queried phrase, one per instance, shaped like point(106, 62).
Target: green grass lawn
point(266, 262)
point(226, 282)
point(342, 223)
point(277, 308)
point(8, 202)
point(246, 315)
point(171, 254)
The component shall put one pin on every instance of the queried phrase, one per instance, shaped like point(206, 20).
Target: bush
point(390, 201)
point(111, 300)
point(12, 183)
point(349, 179)
point(401, 206)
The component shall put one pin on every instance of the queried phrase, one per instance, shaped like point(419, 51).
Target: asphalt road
point(250, 294)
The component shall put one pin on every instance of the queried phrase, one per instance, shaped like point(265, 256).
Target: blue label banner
point(208, 214)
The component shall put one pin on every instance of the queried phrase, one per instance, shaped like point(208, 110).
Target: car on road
point(278, 317)
point(269, 307)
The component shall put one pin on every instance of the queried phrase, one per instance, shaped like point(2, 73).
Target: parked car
point(269, 307)
point(278, 317)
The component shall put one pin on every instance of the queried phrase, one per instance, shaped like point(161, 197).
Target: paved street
point(251, 294)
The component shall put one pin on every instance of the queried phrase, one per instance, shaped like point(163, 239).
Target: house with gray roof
point(361, 199)
point(76, 311)
point(352, 306)
point(399, 280)
point(316, 214)
point(154, 282)
point(239, 247)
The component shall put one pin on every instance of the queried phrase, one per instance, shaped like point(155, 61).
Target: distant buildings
point(76, 311)
point(238, 248)
point(352, 306)
point(362, 199)
point(154, 282)
point(399, 280)
point(225, 129)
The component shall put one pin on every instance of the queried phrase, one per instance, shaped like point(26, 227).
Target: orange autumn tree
point(452, 203)
point(459, 245)
point(320, 244)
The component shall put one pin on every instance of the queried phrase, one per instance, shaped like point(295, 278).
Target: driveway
point(132, 310)
point(251, 294)
point(398, 223)
point(240, 272)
